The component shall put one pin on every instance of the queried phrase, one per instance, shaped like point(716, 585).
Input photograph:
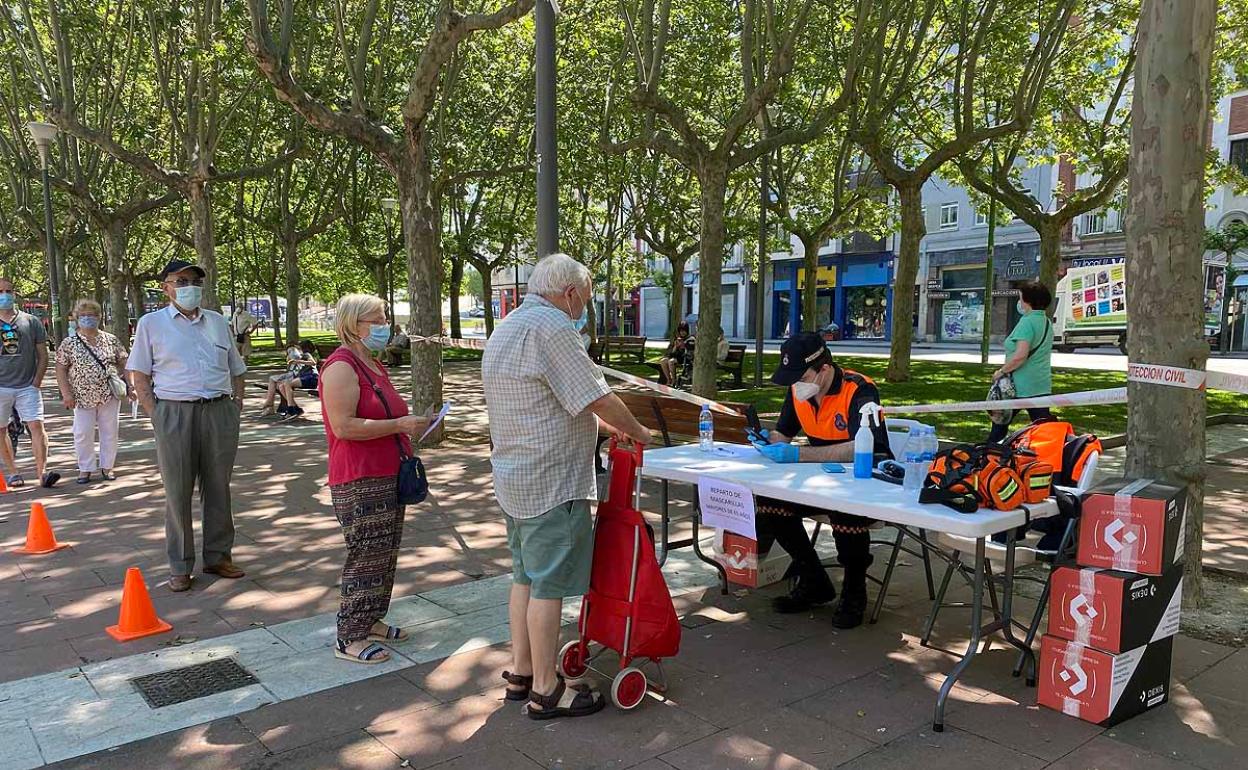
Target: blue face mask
point(578, 323)
point(88, 322)
point(189, 297)
point(378, 336)
point(1019, 306)
point(6, 300)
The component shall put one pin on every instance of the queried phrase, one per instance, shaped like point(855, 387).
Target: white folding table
point(808, 484)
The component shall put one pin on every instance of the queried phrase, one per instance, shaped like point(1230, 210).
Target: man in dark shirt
point(824, 402)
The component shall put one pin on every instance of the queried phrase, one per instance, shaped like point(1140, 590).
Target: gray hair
point(553, 274)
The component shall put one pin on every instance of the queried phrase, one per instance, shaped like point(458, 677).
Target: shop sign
point(825, 278)
point(1096, 261)
point(1004, 292)
point(938, 295)
point(1016, 268)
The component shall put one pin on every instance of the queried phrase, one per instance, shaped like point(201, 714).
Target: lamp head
point(44, 135)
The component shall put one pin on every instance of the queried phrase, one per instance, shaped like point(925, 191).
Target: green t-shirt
point(1035, 376)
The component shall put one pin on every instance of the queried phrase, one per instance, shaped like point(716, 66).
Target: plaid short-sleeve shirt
point(538, 380)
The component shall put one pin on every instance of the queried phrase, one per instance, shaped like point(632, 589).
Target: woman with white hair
point(368, 427)
point(88, 370)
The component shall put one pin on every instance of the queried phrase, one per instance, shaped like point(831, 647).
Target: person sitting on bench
point(824, 401)
point(675, 355)
point(300, 368)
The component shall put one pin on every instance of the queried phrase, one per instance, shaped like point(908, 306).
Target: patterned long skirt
point(372, 526)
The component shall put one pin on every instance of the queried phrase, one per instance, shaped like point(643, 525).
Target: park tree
point(664, 209)
point(192, 80)
point(702, 76)
point(916, 103)
point(362, 51)
point(506, 222)
point(1083, 120)
point(1165, 228)
point(826, 189)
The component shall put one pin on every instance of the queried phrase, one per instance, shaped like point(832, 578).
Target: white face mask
point(804, 391)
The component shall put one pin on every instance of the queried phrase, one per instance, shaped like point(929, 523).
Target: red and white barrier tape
point(667, 391)
point(1084, 398)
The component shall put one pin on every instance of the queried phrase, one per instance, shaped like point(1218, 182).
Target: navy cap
point(798, 353)
point(177, 266)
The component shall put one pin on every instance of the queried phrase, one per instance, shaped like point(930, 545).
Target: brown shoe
point(179, 583)
point(225, 569)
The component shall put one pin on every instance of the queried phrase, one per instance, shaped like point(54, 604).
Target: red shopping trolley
point(628, 608)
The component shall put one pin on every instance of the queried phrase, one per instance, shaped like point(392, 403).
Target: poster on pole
point(727, 506)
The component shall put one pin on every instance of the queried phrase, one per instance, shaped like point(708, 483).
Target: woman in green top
point(1028, 353)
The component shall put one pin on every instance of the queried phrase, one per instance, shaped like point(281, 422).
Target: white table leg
point(977, 629)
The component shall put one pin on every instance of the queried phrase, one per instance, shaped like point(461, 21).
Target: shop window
point(949, 216)
point(1093, 224)
point(962, 279)
point(1239, 155)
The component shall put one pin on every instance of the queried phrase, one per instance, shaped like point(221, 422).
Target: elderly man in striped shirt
point(546, 400)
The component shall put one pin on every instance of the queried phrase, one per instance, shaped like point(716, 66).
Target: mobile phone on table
point(833, 468)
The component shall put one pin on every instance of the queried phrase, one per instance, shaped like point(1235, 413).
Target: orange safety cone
point(138, 616)
point(39, 537)
point(4, 485)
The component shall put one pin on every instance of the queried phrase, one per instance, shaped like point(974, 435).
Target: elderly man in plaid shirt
point(546, 400)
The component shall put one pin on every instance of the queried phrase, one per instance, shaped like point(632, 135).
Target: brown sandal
point(584, 701)
point(517, 680)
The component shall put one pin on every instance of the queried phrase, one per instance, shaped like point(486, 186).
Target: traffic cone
point(138, 616)
point(39, 537)
point(4, 485)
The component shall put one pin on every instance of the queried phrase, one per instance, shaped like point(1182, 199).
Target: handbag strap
point(362, 367)
point(1043, 336)
point(91, 352)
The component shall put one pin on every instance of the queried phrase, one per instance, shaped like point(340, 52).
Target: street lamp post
point(44, 134)
point(390, 206)
point(764, 200)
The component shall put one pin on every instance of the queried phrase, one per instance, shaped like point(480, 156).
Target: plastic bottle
point(706, 430)
point(911, 458)
point(931, 445)
point(864, 441)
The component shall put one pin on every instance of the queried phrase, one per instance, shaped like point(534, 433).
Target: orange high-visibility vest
point(831, 421)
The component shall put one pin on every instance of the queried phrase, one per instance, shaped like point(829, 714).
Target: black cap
point(177, 266)
point(797, 354)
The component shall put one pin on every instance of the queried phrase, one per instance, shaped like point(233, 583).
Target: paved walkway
point(749, 689)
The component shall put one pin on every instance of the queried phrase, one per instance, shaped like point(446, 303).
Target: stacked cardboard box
point(1112, 619)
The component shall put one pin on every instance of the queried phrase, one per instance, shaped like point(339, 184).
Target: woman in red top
point(364, 434)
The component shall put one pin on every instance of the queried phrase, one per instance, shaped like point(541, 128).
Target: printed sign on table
point(727, 506)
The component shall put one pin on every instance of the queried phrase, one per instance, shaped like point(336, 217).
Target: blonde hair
point(348, 311)
point(86, 303)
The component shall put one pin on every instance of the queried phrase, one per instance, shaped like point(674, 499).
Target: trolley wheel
point(628, 688)
point(571, 664)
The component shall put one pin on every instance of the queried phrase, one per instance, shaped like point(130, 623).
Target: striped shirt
point(538, 381)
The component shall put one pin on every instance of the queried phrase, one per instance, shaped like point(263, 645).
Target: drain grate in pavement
point(183, 684)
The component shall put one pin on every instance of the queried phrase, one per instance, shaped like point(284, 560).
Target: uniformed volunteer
point(824, 401)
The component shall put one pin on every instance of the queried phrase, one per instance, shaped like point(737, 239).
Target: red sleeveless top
point(372, 458)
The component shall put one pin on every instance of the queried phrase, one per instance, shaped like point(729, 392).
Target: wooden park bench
point(734, 364)
point(626, 347)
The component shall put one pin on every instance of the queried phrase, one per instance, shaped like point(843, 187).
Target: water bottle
point(706, 430)
point(911, 457)
point(930, 446)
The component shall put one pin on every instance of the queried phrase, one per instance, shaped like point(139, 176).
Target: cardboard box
point(739, 556)
point(1101, 687)
point(1135, 526)
point(1113, 610)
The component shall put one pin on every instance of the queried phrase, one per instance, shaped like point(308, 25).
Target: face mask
point(6, 300)
point(579, 323)
point(189, 297)
point(378, 336)
point(89, 322)
point(805, 391)
point(1019, 306)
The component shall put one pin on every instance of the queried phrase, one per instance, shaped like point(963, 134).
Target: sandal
point(16, 480)
point(108, 475)
point(370, 655)
point(392, 634)
point(517, 680)
point(84, 478)
point(579, 700)
point(49, 479)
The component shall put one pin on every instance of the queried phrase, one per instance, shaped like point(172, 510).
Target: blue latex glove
point(779, 453)
point(762, 436)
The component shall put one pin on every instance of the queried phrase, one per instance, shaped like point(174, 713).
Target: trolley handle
point(638, 449)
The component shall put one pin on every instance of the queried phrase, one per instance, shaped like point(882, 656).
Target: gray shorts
point(28, 402)
point(553, 552)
